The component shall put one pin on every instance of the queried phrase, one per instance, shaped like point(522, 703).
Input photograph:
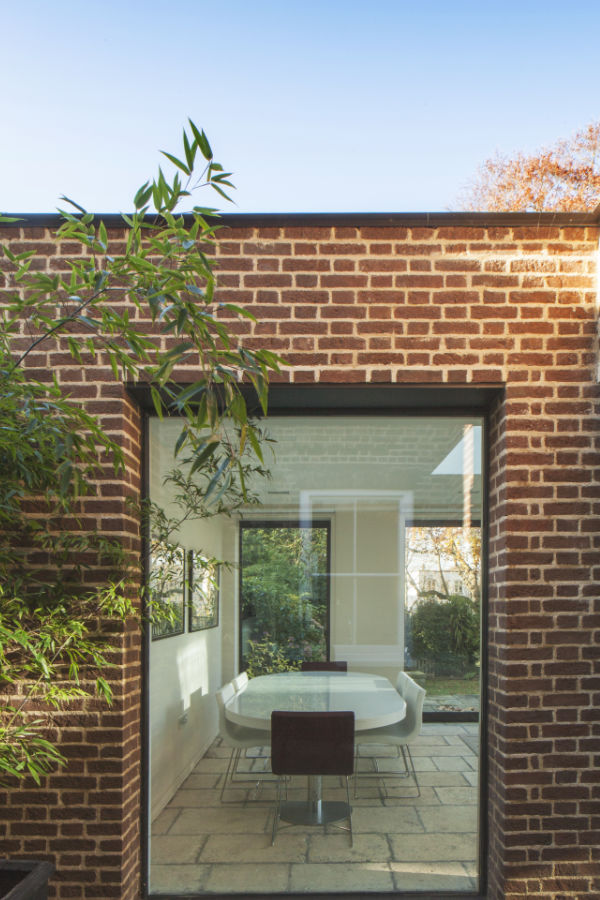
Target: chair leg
point(414, 773)
point(357, 759)
point(356, 764)
point(349, 811)
point(381, 776)
point(232, 770)
point(228, 772)
point(403, 750)
point(277, 812)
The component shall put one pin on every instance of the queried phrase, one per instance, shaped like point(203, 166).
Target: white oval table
point(373, 699)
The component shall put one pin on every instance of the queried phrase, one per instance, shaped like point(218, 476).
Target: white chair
point(237, 737)
point(240, 681)
point(400, 735)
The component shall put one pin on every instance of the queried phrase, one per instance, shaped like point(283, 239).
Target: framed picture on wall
point(203, 587)
point(166, 588)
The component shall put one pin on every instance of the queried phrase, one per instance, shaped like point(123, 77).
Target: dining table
point(373, 699)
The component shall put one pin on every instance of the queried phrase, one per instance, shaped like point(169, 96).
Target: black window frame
point(361, 400)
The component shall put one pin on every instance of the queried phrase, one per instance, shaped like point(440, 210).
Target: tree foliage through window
point(284, 590)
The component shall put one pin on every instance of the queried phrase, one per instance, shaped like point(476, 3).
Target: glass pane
point(284, 596)
point(364, 547)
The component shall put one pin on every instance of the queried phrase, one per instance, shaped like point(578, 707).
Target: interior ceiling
point(362, 454)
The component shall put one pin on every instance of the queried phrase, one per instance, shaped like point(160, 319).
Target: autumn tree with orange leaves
point(564, 176)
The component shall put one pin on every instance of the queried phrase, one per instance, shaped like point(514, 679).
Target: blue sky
point(315, 106)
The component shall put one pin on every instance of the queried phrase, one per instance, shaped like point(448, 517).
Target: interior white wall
point(186, 669)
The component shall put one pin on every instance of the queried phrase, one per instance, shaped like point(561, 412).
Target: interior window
point(283, 594)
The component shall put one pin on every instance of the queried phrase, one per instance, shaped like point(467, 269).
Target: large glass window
point(364, 546)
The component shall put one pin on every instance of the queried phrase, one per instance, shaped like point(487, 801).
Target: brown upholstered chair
point(313, 744)
point(338, 665)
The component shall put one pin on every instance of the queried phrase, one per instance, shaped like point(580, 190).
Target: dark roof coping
point(355, 219)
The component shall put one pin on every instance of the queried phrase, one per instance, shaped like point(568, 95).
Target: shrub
point(266, 657)
point(445, 634)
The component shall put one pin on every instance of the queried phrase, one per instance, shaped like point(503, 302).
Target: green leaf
point(143, 192)
point(190, 150)
point(238, 310)
point(190, 393)
point(220, 191)
point(214, 481)
point(72, 203)
point(177, 162)
point(205, 148)
point(103, 237)
point(180, 442)
point(104, 689)
point(157, 401)
point(237, 409)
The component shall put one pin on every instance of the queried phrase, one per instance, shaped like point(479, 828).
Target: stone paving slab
point(449, 818)
point(255, 848)
point(387, 820)
point(336, 848)
point(457, 795)
point(178, 879)
point(163, 822)
point(193, 798)
point(415, 848)
point(439, 738)
point(458, 749)
point(438, 876)
point(248, 878)
point(445, 779)
point(234, 820)
point(209, 766)
point(330, 877)
point(197, 781)
point(472, 778)
point(452, 763)
point(394, 791)
point(177, 848)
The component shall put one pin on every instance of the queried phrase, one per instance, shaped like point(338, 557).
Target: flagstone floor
point(401, 843)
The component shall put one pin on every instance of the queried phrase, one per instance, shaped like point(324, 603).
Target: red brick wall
point(510, 305)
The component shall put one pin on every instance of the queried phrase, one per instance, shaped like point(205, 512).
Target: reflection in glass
point(166, 589)
point(203, 588)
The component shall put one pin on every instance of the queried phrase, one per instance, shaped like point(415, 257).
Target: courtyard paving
point(401, 843)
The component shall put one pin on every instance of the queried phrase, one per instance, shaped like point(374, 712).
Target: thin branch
point(61, 324)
